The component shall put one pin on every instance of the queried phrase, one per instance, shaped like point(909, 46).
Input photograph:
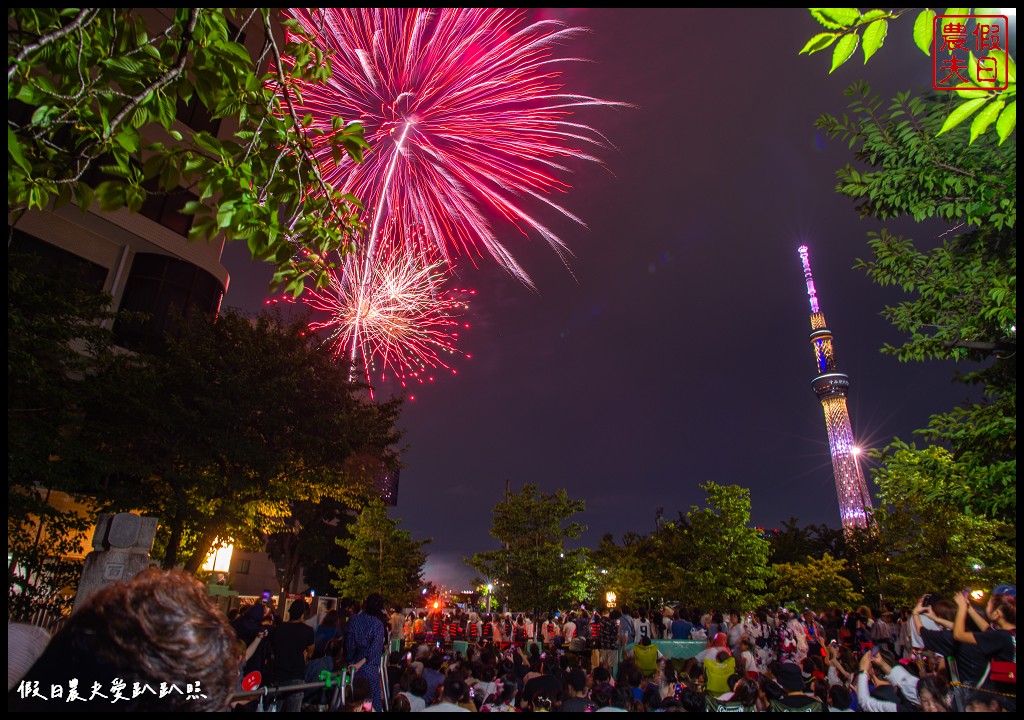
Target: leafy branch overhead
point(848, 28)
point(94, 99)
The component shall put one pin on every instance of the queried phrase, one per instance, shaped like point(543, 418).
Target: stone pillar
point(120, 551)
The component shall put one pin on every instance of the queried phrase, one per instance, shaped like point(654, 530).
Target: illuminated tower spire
point(831, 387)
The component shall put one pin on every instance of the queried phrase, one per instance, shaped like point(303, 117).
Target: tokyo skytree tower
point(831, 387)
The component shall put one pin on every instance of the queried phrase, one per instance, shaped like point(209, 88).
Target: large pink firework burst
point(399, 317)
point(466, 117)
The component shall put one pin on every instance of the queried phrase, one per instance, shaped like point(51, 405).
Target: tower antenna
point(832, 387)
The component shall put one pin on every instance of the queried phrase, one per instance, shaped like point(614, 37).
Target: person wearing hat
point(795, 698)
point(720, 641)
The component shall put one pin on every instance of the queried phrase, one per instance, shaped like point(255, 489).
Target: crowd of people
point(161, 630)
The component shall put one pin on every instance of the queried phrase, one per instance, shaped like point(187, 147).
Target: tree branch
point(161, 81)
point(83, 18)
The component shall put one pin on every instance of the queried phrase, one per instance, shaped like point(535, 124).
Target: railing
point(47, 620)
point(338, 683)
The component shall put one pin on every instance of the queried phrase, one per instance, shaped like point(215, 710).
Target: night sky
point(673, 350)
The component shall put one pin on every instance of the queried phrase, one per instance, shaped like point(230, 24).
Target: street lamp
point(489, 589)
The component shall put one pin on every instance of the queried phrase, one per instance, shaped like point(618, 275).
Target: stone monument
point(120, 551)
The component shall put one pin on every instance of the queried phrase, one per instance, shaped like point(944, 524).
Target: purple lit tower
point(831, 387)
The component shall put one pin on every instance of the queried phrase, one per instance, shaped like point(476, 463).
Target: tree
point(536, 572)
point(382, 559)
point(793, 543)
point(56, 344)
point(920, 161)
point(309, 543)
point(928, 544)
point(636, 571)
point(729, 566)
point(427, 594)
point(220, 435)
point(95, 96)
point(961, 302)
point(816, 582)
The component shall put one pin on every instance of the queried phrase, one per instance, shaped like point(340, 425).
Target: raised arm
point(960, 633)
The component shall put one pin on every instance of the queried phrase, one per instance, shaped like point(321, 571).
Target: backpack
point(777, 706)
point(712, 704)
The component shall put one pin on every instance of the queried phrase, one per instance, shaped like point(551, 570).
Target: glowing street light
point(489, 589)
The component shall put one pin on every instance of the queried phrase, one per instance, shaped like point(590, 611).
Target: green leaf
point(843, 16)
point(816, 43)
point(225, 214)
point(844, 49)
point(28, 95)
point(985, 118)
point(1007, 122)
point(39, 116)
point(873, 15)
point(961, 113)
point(1002, 61)
point(972, 68)
point(85, 196)
point(128, 139)
point(874, 36)
point(924, 30)
point(956, 11)
point(239, 52)
point(968, 94)
point(14, 150)
point(110, 195)
point(63, 196)
point(816, 14)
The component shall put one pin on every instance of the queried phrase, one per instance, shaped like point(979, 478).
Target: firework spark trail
point(479, 104)
point(400, 318)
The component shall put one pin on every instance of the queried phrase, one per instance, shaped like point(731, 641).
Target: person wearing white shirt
point(643, 627)
point(569, 630)
point(874, 668)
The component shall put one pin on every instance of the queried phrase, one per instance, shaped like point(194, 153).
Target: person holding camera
point(998, 644)
point(966, 662)
point(884, 685)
